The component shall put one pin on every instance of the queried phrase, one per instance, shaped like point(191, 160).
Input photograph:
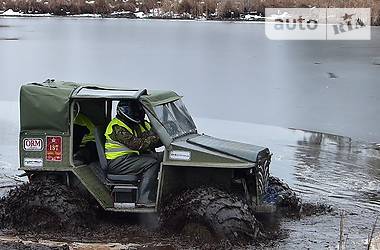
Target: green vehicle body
point(190, 160)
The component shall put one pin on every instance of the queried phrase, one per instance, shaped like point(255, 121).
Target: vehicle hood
point(244, 151)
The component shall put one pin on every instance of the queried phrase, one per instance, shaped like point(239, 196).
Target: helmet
point(130, 110)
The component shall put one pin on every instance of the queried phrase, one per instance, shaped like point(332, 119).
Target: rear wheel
point(211, 211)
point(45, 204)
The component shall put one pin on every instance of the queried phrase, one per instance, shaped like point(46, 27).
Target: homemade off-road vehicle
point(203, 180)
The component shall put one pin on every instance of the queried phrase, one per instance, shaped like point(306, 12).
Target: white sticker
point(180, 155)
point(33, 144)
point(33, 162)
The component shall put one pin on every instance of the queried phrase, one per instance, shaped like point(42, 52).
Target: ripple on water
point(320, 166)
point(338, 169)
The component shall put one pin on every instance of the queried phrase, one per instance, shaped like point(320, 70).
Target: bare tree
point(228, 9)
point(185, 6)
point(167, 6)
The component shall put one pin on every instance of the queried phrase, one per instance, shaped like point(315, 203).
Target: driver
point(130, 149)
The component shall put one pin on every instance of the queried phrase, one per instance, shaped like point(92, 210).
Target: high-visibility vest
point(115, 149)
point(83, 120)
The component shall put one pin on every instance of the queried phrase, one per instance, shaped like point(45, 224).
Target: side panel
point(94, 185)
point(198, 154)
point(202, 156)
point(44, 151)
point(174, 179)
point(45, 106)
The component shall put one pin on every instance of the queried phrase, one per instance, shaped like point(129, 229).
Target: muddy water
point(322, 168)
point(318, 165)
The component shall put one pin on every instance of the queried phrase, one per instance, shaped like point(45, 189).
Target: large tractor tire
point(279, 193)
point(45, 204)
point(223, 215)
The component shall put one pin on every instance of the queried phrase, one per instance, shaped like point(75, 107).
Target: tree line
point(211, 9)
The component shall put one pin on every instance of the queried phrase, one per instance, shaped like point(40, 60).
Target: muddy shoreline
point(133, 233)
point(111, 233)
point(144, 231)
point(23, 216)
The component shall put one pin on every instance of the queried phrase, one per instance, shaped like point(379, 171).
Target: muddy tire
point(45, 204)
point(282, 195)
point(222, 214)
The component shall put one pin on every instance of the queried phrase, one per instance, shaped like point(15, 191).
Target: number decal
point(54, 148)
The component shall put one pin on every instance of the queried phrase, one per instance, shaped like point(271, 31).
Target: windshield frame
point(175, 113)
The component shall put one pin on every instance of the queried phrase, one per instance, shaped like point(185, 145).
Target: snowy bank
point(11, 13)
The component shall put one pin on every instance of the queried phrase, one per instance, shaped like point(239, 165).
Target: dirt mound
point(44, 204)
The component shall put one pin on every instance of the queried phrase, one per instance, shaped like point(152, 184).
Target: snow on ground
point(85, 15)
point(140, 14)
point(11, 13)
point(120, 13)
point(252, 17)
point(283, 15)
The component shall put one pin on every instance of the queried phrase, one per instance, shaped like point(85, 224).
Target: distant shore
point(155, 14)
point(214, 10)
point(135, 15)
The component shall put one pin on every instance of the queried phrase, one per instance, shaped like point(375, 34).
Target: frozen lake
point(228, 71)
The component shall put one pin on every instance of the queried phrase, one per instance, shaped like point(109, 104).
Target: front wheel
point(280, 194)
point(221, 214)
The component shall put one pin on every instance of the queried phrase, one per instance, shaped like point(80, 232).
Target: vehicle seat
point(99, 140)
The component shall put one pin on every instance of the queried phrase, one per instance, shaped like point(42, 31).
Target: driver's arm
point(142, 143)
point(155, 140)
point(148, 134)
